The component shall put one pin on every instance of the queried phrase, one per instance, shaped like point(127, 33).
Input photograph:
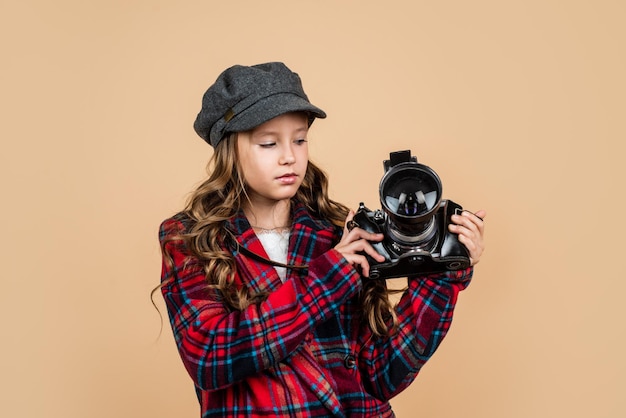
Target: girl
point(266, 288)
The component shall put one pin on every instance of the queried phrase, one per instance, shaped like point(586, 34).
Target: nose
point(287, 157)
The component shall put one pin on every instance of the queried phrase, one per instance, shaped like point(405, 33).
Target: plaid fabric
point(305, 351)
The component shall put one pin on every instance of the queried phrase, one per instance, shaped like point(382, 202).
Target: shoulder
point(174, 226)
point(301, 215)
point(308, 226)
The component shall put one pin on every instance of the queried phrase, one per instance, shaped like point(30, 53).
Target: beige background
point(518, 105)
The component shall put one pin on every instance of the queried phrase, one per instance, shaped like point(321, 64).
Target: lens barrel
point(410, 195)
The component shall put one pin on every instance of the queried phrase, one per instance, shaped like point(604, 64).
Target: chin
point(286, 195)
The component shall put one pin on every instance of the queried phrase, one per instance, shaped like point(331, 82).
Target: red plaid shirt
point(305, 351)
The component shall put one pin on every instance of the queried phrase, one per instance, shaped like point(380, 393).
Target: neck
point(274, 217)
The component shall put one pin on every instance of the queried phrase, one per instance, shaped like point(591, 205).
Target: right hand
point(355, 244)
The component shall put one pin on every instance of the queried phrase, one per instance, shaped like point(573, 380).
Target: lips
point(288, 175)
point(288, 178)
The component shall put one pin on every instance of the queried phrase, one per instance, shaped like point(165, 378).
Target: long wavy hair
point(221, 196)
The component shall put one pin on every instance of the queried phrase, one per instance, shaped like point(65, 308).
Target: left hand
point(470, 228)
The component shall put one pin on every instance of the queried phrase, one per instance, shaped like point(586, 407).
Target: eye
point(267, 144)
point(300, 141)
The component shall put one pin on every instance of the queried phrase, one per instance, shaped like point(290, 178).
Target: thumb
point(349, 224)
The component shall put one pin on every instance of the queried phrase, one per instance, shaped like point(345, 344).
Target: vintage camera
point(414, 221)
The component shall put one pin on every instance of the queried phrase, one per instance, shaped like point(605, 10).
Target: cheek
point(303, 154)
point(254, 172)
point(246, 162)
point(248, 172)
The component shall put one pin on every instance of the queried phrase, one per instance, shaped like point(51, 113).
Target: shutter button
point(349, 361)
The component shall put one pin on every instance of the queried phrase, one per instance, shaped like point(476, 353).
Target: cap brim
point(270, 107)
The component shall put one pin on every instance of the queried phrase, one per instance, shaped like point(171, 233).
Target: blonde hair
point(221, 196)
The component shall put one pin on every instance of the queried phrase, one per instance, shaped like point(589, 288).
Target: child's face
point(274, 158)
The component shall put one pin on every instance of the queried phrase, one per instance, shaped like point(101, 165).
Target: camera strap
point(243, 250)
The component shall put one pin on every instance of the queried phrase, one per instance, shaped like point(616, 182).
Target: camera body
point(414, 221)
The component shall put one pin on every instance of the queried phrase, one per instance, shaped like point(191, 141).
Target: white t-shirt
point(276, 244)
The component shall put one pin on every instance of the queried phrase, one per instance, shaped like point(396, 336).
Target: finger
point(371, 251)
point(477, 219)
point(358, 233)
point(363, 246)
point(474, 247)
point(473, 252)
point(469, 220)
point(481, 214)
point(369, 236)
point(360, 261)
point(467, 217)
point(469, 230)
point(467, 242)
point(469, 237)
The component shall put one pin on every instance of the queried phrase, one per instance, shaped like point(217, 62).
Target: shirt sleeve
point(389, 364)
point(221, 346)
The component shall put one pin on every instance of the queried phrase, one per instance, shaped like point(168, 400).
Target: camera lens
point(410, 194)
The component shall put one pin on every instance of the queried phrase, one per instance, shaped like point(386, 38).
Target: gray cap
point(244, 97)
